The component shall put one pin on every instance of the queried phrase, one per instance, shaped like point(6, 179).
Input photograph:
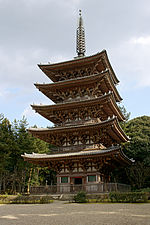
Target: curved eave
point(50, 69)
point(116, 81)
point(70, 154)
point(49, 89)
point(117, 111)
point(106, 102)
point(117, 130)
point(115, 153)
point(126, 159)
point(112, 125)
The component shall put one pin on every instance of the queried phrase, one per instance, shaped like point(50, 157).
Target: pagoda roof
point(111, 128)
point(103, 79)
point(114, 152)
point(107, 107)
point(100, 60)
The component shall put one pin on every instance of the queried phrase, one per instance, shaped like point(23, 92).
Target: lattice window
point(64, 180)
point(92, 178)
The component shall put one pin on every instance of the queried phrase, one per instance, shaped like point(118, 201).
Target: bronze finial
point(80, 37)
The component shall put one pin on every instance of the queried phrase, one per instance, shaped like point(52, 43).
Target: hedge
point(128, 197)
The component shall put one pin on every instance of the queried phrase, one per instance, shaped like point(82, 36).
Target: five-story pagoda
point(87, 135)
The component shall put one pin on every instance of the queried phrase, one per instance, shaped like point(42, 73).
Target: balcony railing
point(88, 188)
point(75, 148)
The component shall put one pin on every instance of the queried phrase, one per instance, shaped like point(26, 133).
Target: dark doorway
point(78, 180)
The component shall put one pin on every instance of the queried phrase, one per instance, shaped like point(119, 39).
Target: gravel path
point(61, 213)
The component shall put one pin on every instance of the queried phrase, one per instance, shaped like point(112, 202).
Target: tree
point(138, 148)
point(126, 116)
point(138, 174)
point(138, 130)
point(6, 143)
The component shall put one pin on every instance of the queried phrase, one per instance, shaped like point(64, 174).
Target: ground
point(62, 213)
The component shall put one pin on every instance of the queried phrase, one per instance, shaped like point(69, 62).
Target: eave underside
point(106, 133)
point(101, 159)
point(102, 108)
point(99, 61)
point(99, 84)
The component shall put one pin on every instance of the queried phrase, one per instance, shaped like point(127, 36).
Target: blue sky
point(34, 31)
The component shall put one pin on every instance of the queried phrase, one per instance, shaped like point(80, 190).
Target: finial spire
point(80, 37)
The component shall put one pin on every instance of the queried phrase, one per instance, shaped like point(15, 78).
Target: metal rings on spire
point(80, 37)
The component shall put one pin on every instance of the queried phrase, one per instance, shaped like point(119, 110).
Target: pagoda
point(86, 135)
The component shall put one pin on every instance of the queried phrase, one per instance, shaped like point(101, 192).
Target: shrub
point(128, 197)
point(25, 200)
point(80, 197)
point(147, 190)
point(3, 197)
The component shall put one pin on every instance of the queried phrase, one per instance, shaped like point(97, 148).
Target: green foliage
point(126, 115)
point(138, 174)
point(80, 197)
point(6, 142)
point(15, 173)
point(146, 190)
point(47, 176)
point(138, 130)
point(31, 200)
point(128, 197)
point(21, 199)
point(124, 112)
point(138, 148)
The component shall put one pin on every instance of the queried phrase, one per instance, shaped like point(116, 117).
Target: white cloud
point(28, 112)
point(19, 69)
point(5, 94)
point(132, 60)
point(35, 118)
point(141, 40)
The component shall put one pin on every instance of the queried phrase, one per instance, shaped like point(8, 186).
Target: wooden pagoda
point(86, 135)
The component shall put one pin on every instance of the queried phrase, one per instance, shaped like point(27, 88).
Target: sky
point(35, 31)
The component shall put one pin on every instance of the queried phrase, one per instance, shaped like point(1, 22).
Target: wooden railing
point(88, 188)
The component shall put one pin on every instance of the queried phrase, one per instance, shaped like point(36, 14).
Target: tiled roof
point(81, 153)
point(75, 60)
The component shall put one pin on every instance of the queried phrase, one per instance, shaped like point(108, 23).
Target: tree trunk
point(4, 183)
point(29, 180)
point(0, 182)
